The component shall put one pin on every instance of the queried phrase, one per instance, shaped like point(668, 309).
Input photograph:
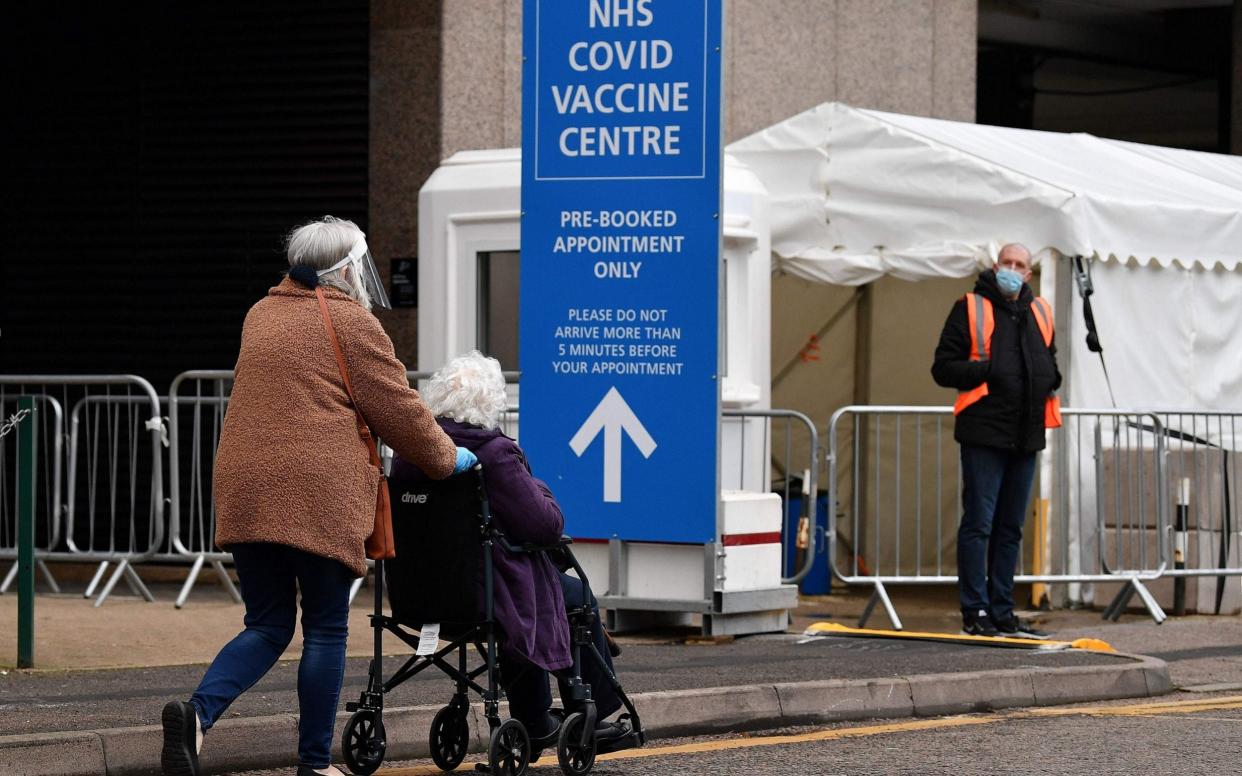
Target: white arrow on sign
point(612, 415)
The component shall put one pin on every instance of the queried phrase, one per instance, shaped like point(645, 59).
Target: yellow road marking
point(1155, 709)
point(1045, 645)
point(1140, 709)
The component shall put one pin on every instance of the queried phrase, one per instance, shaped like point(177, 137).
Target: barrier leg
point(111, 583)
point(1120, 602)
point(47, 576)
point(8, 578)
point(880, 595)
point(1149, 601)
point(99, 572)
point(136, 584)
point(226, 581)
point(190, 578)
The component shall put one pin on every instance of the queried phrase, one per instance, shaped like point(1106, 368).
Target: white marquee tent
point(860, 194)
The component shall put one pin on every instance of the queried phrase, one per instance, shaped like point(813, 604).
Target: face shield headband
point(365, 272)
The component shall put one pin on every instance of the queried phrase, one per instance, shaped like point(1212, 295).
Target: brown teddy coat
point(291, 468)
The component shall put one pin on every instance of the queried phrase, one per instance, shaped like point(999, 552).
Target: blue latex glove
point(465, 460)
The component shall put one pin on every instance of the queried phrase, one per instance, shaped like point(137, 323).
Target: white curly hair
point(468, 389)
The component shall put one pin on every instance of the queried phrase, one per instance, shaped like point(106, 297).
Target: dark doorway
point(157, 152)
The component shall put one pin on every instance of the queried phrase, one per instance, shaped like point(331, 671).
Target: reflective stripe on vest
point(981, 323)
point(1043, 317)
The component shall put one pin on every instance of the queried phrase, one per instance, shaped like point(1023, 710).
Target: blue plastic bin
point(819, 580)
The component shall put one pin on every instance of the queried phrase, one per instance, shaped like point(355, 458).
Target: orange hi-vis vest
point(982, 323)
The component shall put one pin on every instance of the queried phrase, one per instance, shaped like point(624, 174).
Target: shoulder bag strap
point(363, 430)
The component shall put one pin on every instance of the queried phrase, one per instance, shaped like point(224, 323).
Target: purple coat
point(529, 604)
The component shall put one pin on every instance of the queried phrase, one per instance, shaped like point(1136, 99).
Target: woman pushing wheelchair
point(295, 489)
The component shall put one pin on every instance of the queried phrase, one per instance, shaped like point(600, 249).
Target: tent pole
point(863, 296)
point(1061, 285)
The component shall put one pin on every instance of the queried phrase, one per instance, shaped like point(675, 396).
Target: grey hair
point(468, 389)
point(322, 243)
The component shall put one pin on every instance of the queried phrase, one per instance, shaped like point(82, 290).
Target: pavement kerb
point(268, 742)
point(49, 753)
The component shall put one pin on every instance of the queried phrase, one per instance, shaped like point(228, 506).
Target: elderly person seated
point(468, 397)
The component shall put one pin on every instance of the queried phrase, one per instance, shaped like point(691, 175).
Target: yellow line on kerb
point(1135, 710)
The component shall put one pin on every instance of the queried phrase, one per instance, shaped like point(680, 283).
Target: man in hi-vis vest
point(997, 350)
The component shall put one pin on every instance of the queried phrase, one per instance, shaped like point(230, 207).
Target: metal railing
point(895, 472)
point(1205, 533)
point(111, 494)
point(1104, 500)
point(204, 395)
point(764, 443)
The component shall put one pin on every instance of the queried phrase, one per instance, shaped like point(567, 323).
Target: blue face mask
point(1010, 282)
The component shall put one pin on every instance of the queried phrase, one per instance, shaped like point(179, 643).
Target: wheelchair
point(444, 538)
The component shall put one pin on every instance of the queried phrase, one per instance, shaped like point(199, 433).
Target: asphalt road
point(1178, 734)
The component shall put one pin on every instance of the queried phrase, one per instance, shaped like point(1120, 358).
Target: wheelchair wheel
point(575, 759)
point(508, 754)
point(450, 737)
point(363, 743)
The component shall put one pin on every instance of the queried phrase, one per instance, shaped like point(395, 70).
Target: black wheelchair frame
point(509, 749)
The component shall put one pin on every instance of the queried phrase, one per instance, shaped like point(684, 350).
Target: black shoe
point(615, 736)
point(610, 731)
point(306, 770)
point(547, 740)
point(1017, 629)
point(180, 754)
point(978, 624)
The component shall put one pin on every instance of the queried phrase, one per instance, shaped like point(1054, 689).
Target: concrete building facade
point(446, 77)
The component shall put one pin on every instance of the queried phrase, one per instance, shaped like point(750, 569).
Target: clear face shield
point(363, 273)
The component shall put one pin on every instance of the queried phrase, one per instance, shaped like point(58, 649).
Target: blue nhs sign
point(620, 285)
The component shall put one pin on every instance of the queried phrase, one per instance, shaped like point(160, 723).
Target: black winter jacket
point(1021, 373)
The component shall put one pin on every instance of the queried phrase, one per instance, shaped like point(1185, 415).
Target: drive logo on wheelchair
point(413, 498)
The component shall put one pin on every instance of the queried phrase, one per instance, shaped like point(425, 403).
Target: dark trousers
point(996, 488)
point(271, 576)
point(526, 684)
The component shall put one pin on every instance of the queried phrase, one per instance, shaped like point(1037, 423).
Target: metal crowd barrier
point(1100, 502)
point(1205, 531)
point(104, 502)
point(202, 396)
point(765, 443)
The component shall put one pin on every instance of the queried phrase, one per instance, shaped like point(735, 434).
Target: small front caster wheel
point(508, 754)
point(363, 743)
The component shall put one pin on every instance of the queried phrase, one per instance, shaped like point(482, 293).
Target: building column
point(405, 140)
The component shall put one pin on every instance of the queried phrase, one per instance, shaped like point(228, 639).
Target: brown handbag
point(379, 544)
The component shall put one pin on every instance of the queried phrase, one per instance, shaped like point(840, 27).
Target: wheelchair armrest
point(531, 547)
point(564, 541)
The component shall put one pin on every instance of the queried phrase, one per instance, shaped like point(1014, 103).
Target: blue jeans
point(271, 576)
point(996, 488)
